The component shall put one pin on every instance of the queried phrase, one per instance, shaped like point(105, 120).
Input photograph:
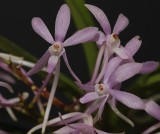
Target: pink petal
point(121, 52)
point(149, 67)
point(88, 119)
point(152, 128)
point(62, 23)
point(101, 18)
point(4, 132)
point(70, 119)
point(93, 107)
point(40, 28)
point(86, 87)
point(122, 116)
point(133, 45)
point(125, 72)
point(101, 107)
point(51, 96)
point(128, 99)
point(103, 69)
point(45, 82)
point(83, 128)
point(153, 109)
point(7, 78)
point(121, 23)
point(56, 121)
point(69, 68)
point(101, 39)
point(89, 97)
point(52, 62)
point(2, 99)
point(5, 103)
point(85, 35)
point(66, 130)
point(112, 65)
point(101, 132)
point(97, 64)
point(76, 128)
point(40, 64)
point(7, 86)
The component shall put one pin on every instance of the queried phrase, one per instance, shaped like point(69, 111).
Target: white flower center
point(112, 38)
point(55, 49)
point(113, 42)
point(101, 89)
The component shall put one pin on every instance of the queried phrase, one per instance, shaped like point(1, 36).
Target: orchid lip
point(101, 89)
point(55, 49)
point(112, 38)
point(115, 36)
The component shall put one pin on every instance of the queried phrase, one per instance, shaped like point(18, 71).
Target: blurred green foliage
point(146, 86)
point(82, 19)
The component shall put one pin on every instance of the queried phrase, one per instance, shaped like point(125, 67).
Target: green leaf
point(12, 48)
point(153, 79)
point(70, 83)
point(146, 81)
point(83, 19)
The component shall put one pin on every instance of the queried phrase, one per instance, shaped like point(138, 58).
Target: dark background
point(15, 18)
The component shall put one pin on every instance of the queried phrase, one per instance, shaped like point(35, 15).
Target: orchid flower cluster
point(114, 65)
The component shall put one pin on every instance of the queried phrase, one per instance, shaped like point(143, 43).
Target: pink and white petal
point(51, 96)
point(7, 86)
point(83, 128)
point(76, 128)
point(45, 82)
point(103, 69)
point(152, 128)
point(62, 22)
point(4, 132)
point(88, 120)
point(112, 65)
point(52, 62)
point(55, 121)
point(149, 67)
point(153, 109)
point(5, 66)
point(5, 103)
point(69, 68)
point(71, 119)
point(97, 64)
point(85, 35)
point(101, 107)
point(128, 99)
point(11, 114)
point(101, 132)
point(66, 130)
point(7, 78)
point(2, 99)
point(40, 28)
point(122, 116)
point(121, 52)
point(89, 97)
point(86, 87)
point(93, 107)
point(101, 39)
point(121, 23)
point(40, 64)
point(133, 45)
point(101, 18)
point(125, 72)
